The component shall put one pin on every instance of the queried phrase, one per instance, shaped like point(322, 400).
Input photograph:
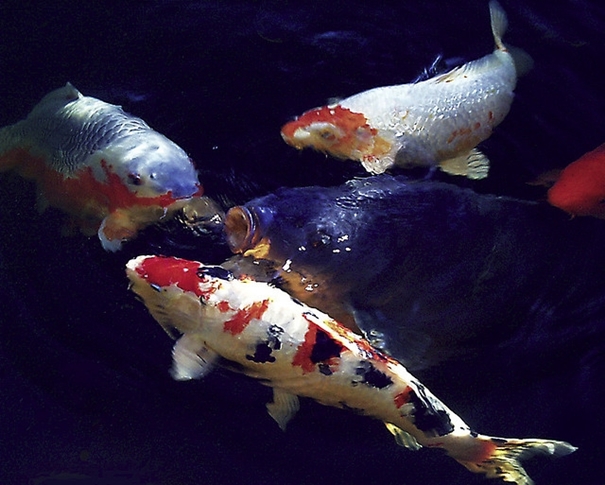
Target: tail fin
point(499, 23)
point(523, 61)
point(504, 460)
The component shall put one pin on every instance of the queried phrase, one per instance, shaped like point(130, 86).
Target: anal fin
point(191, 359)
point(283, 408)
point(403, 438)
point(473, 165)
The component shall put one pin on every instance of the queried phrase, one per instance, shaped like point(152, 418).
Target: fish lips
point(245, 227)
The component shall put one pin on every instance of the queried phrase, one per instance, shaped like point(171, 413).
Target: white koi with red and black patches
point(262, 332)
point(107, 169)
point(436, 122)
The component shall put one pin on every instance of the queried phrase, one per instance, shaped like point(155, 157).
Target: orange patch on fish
point(82, 195)
point(337, 130)
point(238, 322)
point(302, 358)
point(402, 397)
point(580, 189)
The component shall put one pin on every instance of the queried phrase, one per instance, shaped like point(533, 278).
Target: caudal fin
point(504, 459)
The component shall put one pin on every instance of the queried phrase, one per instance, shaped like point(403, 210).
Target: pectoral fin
point(473, 165)
point(115, 229)
point(283, 408)
point(403, 438)
point(191, 359)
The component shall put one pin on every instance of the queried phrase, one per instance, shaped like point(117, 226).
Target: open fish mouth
point(242, 228)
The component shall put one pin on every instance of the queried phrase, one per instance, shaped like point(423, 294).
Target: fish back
point(67, 133)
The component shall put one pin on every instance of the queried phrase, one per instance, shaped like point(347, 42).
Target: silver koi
point(107, 169)
point(436, 122)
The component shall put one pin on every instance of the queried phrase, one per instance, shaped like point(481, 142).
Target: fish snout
point(296, 135)
point(242, 229)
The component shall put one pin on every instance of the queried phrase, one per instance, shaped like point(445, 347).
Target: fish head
point(285, 225)
point(334, 130)
point(580, 189)
point(141, 180)
point(175, 290)
point(154, 166)
point(306, 241)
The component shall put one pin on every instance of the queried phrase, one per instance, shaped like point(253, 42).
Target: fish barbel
point(436, 122)
point(262, 332)
point(109, 170)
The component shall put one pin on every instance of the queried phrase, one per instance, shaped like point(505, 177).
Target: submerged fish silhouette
point(427, 270)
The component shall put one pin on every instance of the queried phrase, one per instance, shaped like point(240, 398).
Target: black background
point(85, 396)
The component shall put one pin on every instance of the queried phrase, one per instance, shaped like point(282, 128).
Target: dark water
point(84, 387)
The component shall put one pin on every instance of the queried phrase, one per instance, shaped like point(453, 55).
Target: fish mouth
point(241, 229)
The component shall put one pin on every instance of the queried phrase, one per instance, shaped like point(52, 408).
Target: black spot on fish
point(474, 434)
point(428, 416)
point(262, 354)
point(274, 332)
point(372, 376)
point(324, 348)
point(215, 272)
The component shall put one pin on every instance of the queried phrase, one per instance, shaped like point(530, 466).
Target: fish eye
point(327, 135)
point(135, 178)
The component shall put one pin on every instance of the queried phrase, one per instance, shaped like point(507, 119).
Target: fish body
point(262, 332)
point(109, 170)
point(580, 188)
point(436, 122)
point(432, 270)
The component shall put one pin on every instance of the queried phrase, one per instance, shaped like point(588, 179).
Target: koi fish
point(580, 187)
point(436, 122)
point(107, 169)
point(260, 331)
point(428, 271)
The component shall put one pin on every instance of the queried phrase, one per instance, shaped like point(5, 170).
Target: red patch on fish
point(238, 322)
point(81, 193)
point(580, 189)
point(338, 131)
point(166, 271)
point(402, 397)
point(223, 306)
point(343, 118)
point(302, 358)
